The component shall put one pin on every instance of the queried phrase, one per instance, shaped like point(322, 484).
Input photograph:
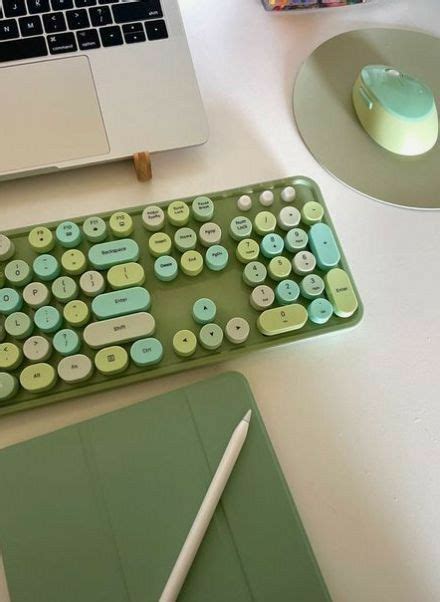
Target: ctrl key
point(8, 386)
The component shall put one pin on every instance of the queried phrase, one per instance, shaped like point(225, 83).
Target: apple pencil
point(204, 515)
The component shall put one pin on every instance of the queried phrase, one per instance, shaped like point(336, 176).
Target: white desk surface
point(354, 417)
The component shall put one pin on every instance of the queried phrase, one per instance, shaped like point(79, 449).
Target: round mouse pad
point(329, 126)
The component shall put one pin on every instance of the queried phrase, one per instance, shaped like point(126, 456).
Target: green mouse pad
point(329, 126)
point(98, 512)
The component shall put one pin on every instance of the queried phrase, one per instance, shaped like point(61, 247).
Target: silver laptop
point(89, 81)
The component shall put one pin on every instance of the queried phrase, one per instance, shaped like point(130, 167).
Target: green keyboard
point(103, 301)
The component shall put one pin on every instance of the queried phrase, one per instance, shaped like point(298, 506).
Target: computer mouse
point(397, 110)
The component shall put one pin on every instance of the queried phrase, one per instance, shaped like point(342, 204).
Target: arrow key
point(211, 336)
point(237, 330)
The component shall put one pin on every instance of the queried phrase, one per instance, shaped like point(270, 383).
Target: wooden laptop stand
point(142, 166)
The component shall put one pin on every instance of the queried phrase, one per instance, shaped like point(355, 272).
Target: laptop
point(90, 81)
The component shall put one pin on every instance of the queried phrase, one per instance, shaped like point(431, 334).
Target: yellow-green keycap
point(265, 222)
point(10, 301)
point(76, 313)
point(312, 286)
point(340, 292)
point(282, 319)
point(254, 273)
point(191, 263)
point(185, 239)
point(47, 318)
point(279, 268)
point(41, 239)
point(64, 289)
point(36, 294)
point(204, 310)
point(312, 212)
point(159, 244)
point(165, 268)
point(95, 229)
point(68, 235)
point(113, 252)
point(10, 356)
point(211, 336)
point(121, 224)
point(121, 302)
point(7, 248)
point(111, 360)
point(74, 261)
point(178, 213)
point(38, 377)
point(202, 209)
point(46, 267)
point(146, 352)
point(184, 343)
point(18, 272)
point(247, 250)
point(153, 218)
point(66, 342)
point(125, 275)
point(240, 227)
point(92, 283)
point(18, 325)
point(8, 386)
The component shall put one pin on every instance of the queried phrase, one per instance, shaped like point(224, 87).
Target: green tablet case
point(97, 512)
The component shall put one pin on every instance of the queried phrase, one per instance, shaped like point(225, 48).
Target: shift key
point(136, 11)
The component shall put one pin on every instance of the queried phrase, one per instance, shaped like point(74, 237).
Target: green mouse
point(397, 110)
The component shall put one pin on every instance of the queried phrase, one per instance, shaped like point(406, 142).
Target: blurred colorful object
point(302, 4)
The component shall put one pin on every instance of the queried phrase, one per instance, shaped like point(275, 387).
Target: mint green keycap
point(165, 268)
point(10, 301)
point(106, 254)
point(320, 311)
point(68, 235)
point(240, 227)
point(323, 246)
point(202, 209)
point(211, 336)
point(146, 352)
point(287, 291)
point(185, 239)
point(66, 341)
point(46, 267)
point(254, 273)
point(272, 245)
point(312, 286)
point(216, 258)
point(95, 229)
point(8, 386)
point(18, 325)
point(204, 311)
point(47, 319)
point(296, 240)
point(120, 303)
point(18, 272)
point(64, 289)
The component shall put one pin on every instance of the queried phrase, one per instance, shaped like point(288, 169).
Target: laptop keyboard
point(36, 28)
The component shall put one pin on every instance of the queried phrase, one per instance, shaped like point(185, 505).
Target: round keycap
point(38, 377)
point(74, 262)
point(165, 268)
point(8, 386)
point(244, 203)
point(247, 250)
point(159, 244)
point(320, 311)
point(18, 272)
point(210, 234)
point(288, 194)
point(178, 213)
point(266, 198)
point(66, 342)
point(10, 356)
point(185, 239)
point(264, 223)
point(237, 330)
point(184, 343)
point(202, 209)
point(10, 301)
point(279, 268)
point(211, 336)
point(41, 239)
point(254, 273)
point(262, 297)
point(36, 294)
point(68, 235)
point(146, 352)
point(153, 218)
point(240, 227)
point(312, 212)
point(37, 349)
point(191, 263)
point(111, 360)
point(46, 267)
point(216, 258)
point(296, 240)
point(75, 368)
point(92, 283)
point(76, 313)
point(121, 224)
point(304, 263)
point(204, 311)
point(288, 218)
point(18, 325)
point(47, 318)
point(287, 291)
point(94, 229)
point(7, 248)
point(125, 275)
point(312, 286)
point(272, 245)
point(64, 289)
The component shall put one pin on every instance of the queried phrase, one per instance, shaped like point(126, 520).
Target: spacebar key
point(29, 48)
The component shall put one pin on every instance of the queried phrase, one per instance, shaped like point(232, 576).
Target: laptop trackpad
point(49, 113)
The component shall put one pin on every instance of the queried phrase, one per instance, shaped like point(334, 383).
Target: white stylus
point(204, 515)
